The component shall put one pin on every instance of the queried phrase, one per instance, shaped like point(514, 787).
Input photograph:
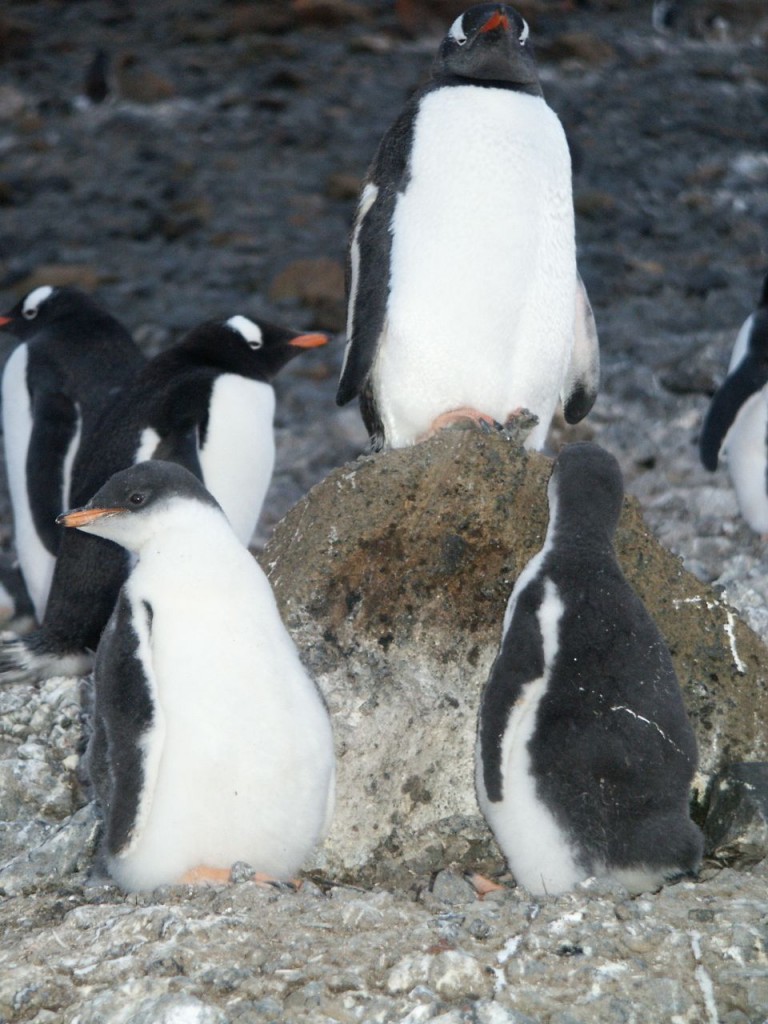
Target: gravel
point(192, 207)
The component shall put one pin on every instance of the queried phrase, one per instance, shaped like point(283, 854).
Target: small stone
point(736, 826)
point(456, 975)
point(450, 887)
point(408, 973)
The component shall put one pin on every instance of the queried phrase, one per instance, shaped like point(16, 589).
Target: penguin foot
point(204, 874)
point(25, 660)
point(483, 885)
point(518, 425)
point(463, 418)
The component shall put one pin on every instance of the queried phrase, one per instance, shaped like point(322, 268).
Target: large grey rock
point(393, 575)
point(736, 826)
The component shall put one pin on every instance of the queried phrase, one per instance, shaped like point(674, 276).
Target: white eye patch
point(456, 31)
point(525, 33)
point(35, 299)
point(250, 331)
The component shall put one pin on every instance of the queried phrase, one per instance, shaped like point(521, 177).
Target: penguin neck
point(445, 78)
point(578, 529)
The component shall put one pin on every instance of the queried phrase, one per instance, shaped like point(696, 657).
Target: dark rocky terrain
point(220, 176)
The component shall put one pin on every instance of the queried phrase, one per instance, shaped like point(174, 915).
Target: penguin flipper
point(579, 389)
point(748, 378)
point(55, 430)
point(368, 284)
point(129, 730)
point(520, 661)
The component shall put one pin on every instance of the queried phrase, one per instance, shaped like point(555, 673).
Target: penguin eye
point(456, 31)
point(524, 34)
point(255, 343)
point(137, 498)
point(30, 313)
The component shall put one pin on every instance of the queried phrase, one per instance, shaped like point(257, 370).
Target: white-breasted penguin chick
point(585, 753)
point(464, 298)
point(73, 359)
point(210, 742)
point(207, 403)
point(736, 423)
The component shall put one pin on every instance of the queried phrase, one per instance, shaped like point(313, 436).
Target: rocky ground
point(220, 177)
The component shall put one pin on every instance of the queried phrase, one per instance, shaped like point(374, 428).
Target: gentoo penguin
point(73, 359)
point(210, 742)
point(206, 403)
point(464, 299)
point(737, 419)
point(585, 754)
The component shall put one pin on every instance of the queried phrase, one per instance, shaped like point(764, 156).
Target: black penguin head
point(490, 43)
point(586, 492)
point(240, 345)
point(45, 306)
point(124, 508)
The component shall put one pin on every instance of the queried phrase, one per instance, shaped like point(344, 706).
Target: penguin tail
point(31, 659)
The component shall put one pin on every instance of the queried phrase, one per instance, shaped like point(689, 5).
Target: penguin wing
point(52, 443)
point(749, 377)
point(370, 248)
point(579, 389)
point(520, 661)
point(128, 728)
point(368, 283)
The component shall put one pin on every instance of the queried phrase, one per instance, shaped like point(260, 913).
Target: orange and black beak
point(86, 516)
point(309, 340)
point(497, 20)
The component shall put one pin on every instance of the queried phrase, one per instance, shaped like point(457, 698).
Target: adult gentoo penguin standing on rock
point(210, 742)
point(206, 403)
point(73, 360)
point(585, 754)
point(464, 296)
point(737, 419)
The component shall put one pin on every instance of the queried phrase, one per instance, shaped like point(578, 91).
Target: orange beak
point(497, 20)
point(309, 340)
point(84, 516)
point(5, 320)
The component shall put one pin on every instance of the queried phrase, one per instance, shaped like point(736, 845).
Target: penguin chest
point(746, 446)
point(537, 849)
point(237, 452)
point(483, 274)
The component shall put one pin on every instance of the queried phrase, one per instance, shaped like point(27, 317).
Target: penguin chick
point(464, 299)
point(206, 403)
point(585, 754)
point(73, 359)
point(210, 742)
point(736, 422)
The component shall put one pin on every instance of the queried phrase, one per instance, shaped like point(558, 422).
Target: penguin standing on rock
point(207, 404)
point(210, 742)
point(73, 359)
point(464, 298)
point(737, 419)
point(585, 754)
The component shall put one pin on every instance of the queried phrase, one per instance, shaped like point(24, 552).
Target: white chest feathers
point(537, 850)
point(746, 447)
point(483, 272)
point(237, 455)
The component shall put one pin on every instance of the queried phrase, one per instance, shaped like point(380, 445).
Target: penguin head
point(45, 306)
point(585, 492)
point(133, 503)
point(257, 350)
point(490, 42)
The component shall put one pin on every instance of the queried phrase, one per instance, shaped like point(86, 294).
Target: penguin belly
point(483, 272)
point(238, 454)
point(35, 560)
point(746, 446)
point(536, 847)
point(238, 764)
